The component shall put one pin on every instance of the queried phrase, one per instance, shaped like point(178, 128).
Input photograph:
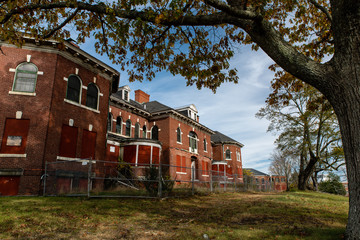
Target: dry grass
point(297, 215)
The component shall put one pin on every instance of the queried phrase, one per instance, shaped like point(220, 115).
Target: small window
point(25, 78)
point(15, 136)
point(110, 119)
point(205, 145)
point(137, 130)
point(128, 128)
point(73, 91)
point(92, 96)
point(193, 142)
point(126, 95)
point(178, 135)
point(263, 181)
point(228, 154)
point(118, 125)
point(155, 133)
point(144, 131)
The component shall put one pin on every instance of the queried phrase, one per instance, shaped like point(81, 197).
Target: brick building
point(54, 105)
point(59, 104)
point(264, 181)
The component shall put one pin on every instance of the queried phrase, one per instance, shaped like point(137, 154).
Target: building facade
point(61, 105)
point(54, 106)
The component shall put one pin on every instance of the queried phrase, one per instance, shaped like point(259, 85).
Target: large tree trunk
point(343, 93)
point(304, 175)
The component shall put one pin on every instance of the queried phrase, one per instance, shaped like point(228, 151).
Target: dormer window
point(126, 95)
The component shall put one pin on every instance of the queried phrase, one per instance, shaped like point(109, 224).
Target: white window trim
point(182, 173)
point(80, 105)
point(22, 93)
point(12, 155)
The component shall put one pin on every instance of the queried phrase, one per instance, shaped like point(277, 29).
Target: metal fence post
point(211, 181)
point(44, 190)
point(193, 181)
point(160, 182)
point(235, 176)
point(89, 178)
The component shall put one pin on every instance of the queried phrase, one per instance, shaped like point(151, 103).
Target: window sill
point(12, 155)
point(205, 175)
point(181, 173)
point(80, 105)
point(228, 159)
point(179, 143)
point(22, 93)
point(73, 159)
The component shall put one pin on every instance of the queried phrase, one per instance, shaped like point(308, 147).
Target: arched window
point(193, 146)
point(228, 154)
point(205, 145)
point(155, 133)
point(144, 131)
point(178, 135)
point(25, 78)
point(137, 130)
point(118, 125)
point(128, 128)
point(73, 91)
point(110, 119)
point(92, 96)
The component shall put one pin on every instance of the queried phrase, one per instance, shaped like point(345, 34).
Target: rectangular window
point(88, 144)
point(180, 164)
point(205, 168)
point(15, 136)
point(68, 141)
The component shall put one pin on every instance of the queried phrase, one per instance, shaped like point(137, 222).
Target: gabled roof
point(256, 172)
point(218, 137)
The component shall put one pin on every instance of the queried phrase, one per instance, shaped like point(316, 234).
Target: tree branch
point(321, 8)
point(67, 20)
point(243, 14)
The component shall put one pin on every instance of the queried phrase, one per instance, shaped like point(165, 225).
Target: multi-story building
point(263, 181)
point(54, 105)
point(59, 104)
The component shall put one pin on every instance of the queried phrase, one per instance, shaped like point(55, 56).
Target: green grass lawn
point(294, 215)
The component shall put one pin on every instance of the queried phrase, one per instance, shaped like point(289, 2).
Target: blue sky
point(230, 111)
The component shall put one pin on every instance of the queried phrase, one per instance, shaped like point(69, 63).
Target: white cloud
point(231, 110)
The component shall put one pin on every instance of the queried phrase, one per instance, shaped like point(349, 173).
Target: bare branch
point(67, 20)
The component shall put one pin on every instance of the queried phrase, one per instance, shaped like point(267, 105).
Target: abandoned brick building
point(60, 104)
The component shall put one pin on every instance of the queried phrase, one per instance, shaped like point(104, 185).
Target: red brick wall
point(35, 108)
point(125, 114)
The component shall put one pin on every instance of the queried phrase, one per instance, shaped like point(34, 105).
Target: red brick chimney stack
point(141, 97)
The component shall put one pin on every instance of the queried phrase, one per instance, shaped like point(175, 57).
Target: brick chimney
point(141, 97)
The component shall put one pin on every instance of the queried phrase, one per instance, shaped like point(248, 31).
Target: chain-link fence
point(95, 178)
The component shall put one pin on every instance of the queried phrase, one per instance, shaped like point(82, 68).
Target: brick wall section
point(62, 111)
point(48, 111)
point(36, 108)
point(125, 115)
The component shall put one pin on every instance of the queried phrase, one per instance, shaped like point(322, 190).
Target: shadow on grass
point(221, 216)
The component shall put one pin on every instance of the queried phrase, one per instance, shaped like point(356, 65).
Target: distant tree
point(282, 164)
point(332, 185)
point(307, 125)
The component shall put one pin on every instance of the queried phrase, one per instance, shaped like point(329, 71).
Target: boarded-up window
point(88, 144)
point(205, 168)
point(68, 141)
point(180, 164)
point(15, 136)
point(156, 155)
point(144, 155)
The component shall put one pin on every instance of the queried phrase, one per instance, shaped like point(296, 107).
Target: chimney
point(141, 97)
point(197, 118)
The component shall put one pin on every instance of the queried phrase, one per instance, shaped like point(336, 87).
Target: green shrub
point(151, 182)
point(332, 185)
